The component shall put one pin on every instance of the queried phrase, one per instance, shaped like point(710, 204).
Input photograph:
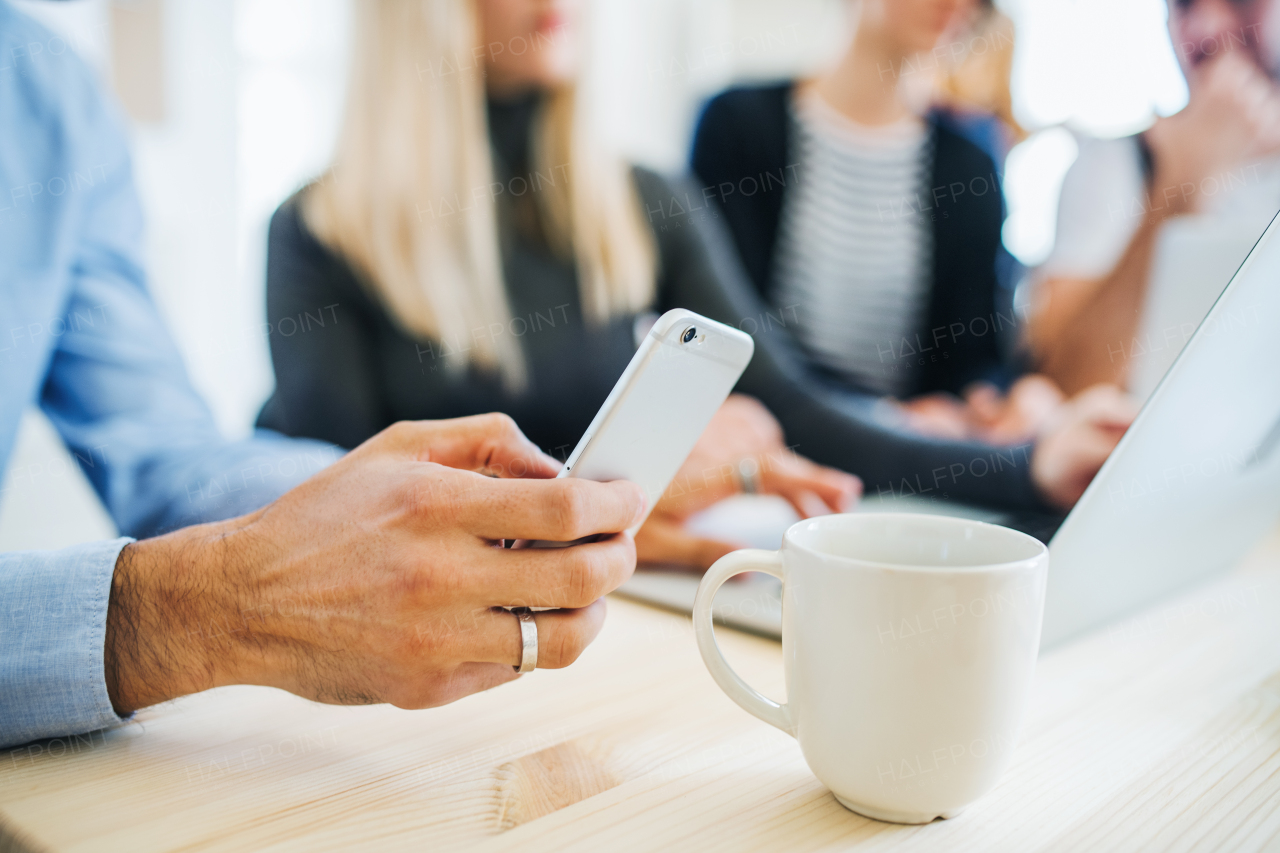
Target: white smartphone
point(681, 374)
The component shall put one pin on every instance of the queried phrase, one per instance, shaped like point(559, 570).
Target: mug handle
point(749, 560)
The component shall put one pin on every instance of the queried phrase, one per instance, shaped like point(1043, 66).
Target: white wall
point(656, 61)
point(1096, 67)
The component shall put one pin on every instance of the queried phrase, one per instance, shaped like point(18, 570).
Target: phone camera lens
point(689, 334)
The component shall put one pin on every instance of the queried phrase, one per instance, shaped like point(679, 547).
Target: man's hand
point(1232, 116)
point(1077, 440)
point(378, 580)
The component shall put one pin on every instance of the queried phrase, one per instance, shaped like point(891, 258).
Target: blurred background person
point(481, 250)
point(885, 241)
point(217, 153)
point(1215, 161)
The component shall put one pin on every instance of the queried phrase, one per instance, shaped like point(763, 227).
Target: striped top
point(855, 249)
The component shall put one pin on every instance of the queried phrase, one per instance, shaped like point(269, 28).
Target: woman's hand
point(985, 414)
point(939, 415)
point(1072, 437)
point(741, 448)
point(1015, 417)
point(1077, 440)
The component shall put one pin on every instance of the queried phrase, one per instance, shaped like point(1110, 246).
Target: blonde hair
point(410, 201)
point(980, 78)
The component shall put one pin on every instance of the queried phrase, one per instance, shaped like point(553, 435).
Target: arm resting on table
point(52, 636)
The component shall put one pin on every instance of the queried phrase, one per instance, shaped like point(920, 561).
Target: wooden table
point(1162, 732)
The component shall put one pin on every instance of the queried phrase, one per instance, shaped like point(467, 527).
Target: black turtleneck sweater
point(345, 370)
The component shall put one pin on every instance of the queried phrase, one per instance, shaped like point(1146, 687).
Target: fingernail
point(644, 503)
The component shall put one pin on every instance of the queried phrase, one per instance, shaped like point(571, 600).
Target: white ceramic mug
point(909, 643)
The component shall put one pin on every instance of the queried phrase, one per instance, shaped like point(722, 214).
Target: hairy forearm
point(163, 591)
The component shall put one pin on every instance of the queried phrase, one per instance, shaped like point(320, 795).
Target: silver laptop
point(1194, 483)
point(1194, 258)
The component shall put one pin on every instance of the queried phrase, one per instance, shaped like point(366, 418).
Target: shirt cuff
point(53, 626)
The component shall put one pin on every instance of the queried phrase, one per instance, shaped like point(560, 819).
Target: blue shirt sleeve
point(52, 631)
point(116, 388)
point(88, 344)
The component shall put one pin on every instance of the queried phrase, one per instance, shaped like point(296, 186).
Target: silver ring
point(749, 475)
point(528, 640)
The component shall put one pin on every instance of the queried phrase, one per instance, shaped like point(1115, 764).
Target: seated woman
point(881, 235)
point(473, 249)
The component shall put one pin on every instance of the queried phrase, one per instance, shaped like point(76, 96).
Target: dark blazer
point(744, 157)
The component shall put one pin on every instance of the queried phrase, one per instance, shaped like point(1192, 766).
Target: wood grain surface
point(1161, 732)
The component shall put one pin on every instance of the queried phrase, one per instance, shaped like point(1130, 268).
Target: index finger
point(491, 443)
point(560, 510)
point(797, 477)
